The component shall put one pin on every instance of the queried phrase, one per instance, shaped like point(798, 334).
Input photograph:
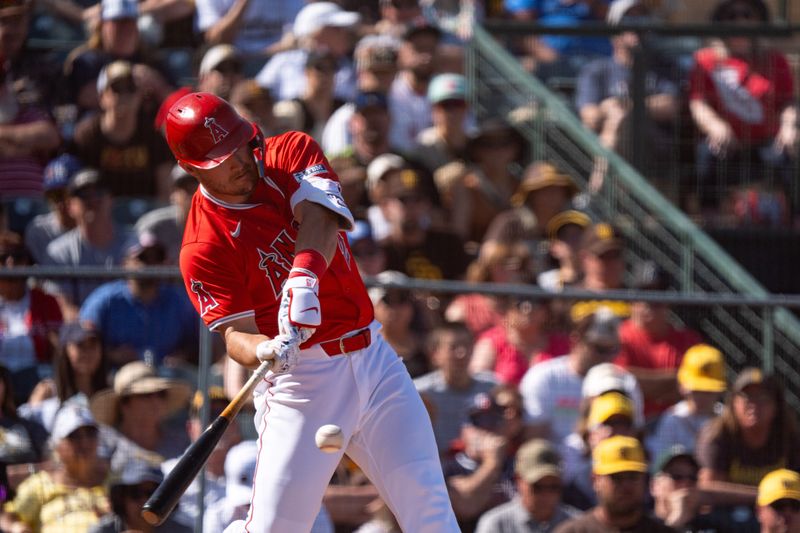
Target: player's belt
point(347, 343)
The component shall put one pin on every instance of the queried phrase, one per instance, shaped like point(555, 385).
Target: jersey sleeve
point(310, 176)
point(212, 281)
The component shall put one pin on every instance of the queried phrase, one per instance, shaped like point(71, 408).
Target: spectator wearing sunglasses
point(479, 465)
point(317, 26)
point(779, 501)
point(397, 310)
point(619, 471)
point(120, 140)
point(94, 241)
point(537, 506)
point(128, 491)
point(676, 499)
point(552, 390)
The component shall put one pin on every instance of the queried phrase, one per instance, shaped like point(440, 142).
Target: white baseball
point(329, 438)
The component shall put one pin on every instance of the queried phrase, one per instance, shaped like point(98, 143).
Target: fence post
point(687, 263)
point(204, 366)
point(768, 339)
point(639, 109)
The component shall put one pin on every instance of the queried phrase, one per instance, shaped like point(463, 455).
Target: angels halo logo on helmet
point(203, 130)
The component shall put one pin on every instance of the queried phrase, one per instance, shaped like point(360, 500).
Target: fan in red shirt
point(651, 347)
point(742, 100)
point(266, 264)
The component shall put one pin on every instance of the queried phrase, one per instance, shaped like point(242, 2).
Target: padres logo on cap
point(604, 231)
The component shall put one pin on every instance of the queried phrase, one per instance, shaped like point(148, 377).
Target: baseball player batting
point(267, 265)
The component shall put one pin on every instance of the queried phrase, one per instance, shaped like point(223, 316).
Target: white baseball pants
point(369, 394)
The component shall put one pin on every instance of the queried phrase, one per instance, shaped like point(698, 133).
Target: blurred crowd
point(550, 414)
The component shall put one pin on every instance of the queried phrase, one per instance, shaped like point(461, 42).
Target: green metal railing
point(653, 227)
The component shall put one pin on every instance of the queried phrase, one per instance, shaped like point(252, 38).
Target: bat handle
point(238, 401)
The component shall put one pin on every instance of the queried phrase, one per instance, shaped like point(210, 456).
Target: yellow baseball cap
point(779, 485)
point(703, 369)
point(215, 394)
point(618, 454)
point(607, 405)
point(565, 218)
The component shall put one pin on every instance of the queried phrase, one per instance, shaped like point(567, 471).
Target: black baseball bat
point(159, 506)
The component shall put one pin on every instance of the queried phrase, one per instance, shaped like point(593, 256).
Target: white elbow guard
point(327, 193)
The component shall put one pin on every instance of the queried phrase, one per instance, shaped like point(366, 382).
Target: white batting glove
point(300, 311)
point(281, 350)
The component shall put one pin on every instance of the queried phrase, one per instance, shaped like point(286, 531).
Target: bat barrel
point(159, 506)
point(169, 492)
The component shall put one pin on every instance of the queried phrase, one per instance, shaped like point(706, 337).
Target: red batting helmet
point(203, 130)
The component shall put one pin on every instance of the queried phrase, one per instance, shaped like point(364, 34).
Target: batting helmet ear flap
point(257, 146)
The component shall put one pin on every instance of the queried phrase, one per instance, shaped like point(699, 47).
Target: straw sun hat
point(137, 378)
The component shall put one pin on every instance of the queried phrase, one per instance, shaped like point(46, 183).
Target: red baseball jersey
point(235, 257)
point(750, 97)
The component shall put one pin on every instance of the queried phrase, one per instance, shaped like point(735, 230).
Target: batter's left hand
point(300, 312)
point(281, 350)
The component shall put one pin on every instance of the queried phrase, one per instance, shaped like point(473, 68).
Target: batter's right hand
point(299, 311)
point(282, 350)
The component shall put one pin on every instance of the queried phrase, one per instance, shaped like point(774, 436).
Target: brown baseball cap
point(566, 218)
point(601, 238)
point(754, 376)
point(539, 175)
point(536, 459)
